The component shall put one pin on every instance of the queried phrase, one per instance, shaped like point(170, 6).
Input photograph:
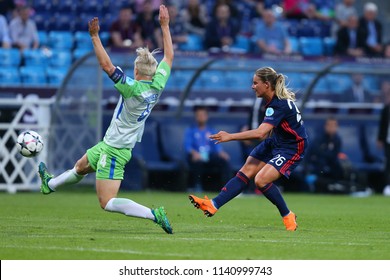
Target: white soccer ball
point(29, 143)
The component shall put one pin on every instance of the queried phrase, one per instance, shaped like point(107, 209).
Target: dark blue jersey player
point(282, 149)
point(288, 140)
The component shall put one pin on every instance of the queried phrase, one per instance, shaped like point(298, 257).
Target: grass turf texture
point(70, 225)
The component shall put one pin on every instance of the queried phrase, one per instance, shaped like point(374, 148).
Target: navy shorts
point(284, 159)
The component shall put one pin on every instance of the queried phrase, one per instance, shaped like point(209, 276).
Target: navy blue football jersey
point(286, 118)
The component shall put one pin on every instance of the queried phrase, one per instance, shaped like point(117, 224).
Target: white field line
point(175, 239)
point(99, 250)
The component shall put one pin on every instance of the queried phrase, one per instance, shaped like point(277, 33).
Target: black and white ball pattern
point(29, 143)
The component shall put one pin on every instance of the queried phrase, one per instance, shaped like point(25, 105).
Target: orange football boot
point(203, 204)
point(290, 221)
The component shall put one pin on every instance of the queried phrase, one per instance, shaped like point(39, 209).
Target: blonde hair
point(145, 61)
point(277, 82)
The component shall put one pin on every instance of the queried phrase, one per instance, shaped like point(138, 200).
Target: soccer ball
point(29, 143)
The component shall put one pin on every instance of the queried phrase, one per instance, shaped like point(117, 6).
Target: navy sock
point(233, 188)
point(272, 193)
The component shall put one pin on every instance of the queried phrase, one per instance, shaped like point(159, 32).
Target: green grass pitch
point(70, 225)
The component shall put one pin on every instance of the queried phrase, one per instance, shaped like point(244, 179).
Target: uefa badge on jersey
point(269, 112)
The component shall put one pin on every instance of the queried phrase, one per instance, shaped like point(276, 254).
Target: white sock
point(129, 208)
point(69, 177)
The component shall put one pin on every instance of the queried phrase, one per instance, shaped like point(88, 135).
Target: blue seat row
point(307, 46)
point(67, 40)
point(220, 80)
point(37, 62)
point(32, 75)
point(40, 57)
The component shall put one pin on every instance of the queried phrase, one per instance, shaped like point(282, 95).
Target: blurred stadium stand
point(225, 86)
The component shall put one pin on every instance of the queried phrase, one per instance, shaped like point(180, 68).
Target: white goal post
point(18, 173)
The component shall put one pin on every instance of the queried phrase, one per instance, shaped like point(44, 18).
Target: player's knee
point(261, 182)
point(81, 167)
point(78, 168)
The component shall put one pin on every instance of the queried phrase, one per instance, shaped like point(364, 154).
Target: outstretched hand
point(221, 137)
point(93, 26)
point(163, 16)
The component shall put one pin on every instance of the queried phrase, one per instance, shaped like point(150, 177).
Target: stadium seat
point(81, 24)
point(270, 3)
point(78, 53)
point(352, 147)
point(105, 37)
point(33, 75)
point(83, 40)
point(42, 5)
point(321, 87)
point(213, 80)
point(293, 81)
point(90, 7)
point(311, 46)
point(371, 82)
point(194, 43)
point(172, 140)
point(183, 77)
point(61, 40)
point(35, 57)
point(9, 57)
point(292, 27)
point(173, 83)
point(326, 28)
point(329, 44)
point(309, 28)
point(42, 21)
point(61, 23)
point(65, 6)
point(135, 177)
point(10, 76)
point(339, 83)
point(238, 81)
point(107, 82)
point(61, 58)
point(294, 43)
point(371, 143)
point(242, 43)
point(151, 153)
point(56, 75)
point(43, 38)
point(105, 22)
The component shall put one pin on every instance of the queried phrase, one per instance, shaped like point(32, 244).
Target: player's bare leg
point(107, 191)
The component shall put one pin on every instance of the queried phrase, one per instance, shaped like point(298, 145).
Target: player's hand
point(93, 26)
point(221, 137)
point(163, 16)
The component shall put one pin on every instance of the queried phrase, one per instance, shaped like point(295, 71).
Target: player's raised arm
point(101, 54)
point(167, 40)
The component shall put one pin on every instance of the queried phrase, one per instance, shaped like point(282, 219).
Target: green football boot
point(162, 220)
point(45, 178)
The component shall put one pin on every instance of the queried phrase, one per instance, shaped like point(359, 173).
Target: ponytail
point(281, 91)
point(277, 82)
